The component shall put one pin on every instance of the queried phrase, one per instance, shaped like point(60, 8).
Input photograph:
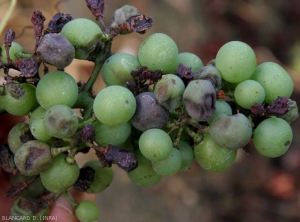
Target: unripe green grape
point(169, 90)
point(29, 209)
point(272, 137)
point(155, 144)
point(60, 121)
point(18, 135)
point(15, 48)
point(212, 157)
point(190, 60)
point(60, 175)
point(221, 107)
point(275, 80)
point(199, 98)
point(55, 88)
point(158, 52)
point(87, 211)
point(84, 35)
point(38, 113)
point(38, 130)
point(117, 69)
point(144, 175)
point(33, 157)
point(170, 165)
point(187, 154)
point(114, 105)
point(113, 135)
point(22, 105)
point(248, 93)
point(232, 132)
point(236, 61)
point(102, 177)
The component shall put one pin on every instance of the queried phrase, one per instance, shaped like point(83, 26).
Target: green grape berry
point(170, 165)
point(117, 69)
point(60, 175)
point(155, 144)
point(236, 61)
point(87, 211)
point(55, 88)
point(272, 137)
point(60, 121)
point(190, 60)
point(20, 99)
point(187, 154)
point(114, 105)
point(232, 132)
point(221, 107)
point(102, 177)
point(84, 35)
point(144, 175)
point(15, 48)
point(212, 157)
point(248, 93)
point(158, 52)
point(275, 80)
point(38, 130)
point(18, 135)
point(38, 113)
point(113, 135)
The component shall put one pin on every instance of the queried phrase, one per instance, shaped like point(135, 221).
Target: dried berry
point(85, 179)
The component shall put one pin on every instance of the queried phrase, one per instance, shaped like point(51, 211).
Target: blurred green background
point(254, 188)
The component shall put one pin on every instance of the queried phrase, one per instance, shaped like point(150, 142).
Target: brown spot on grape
point(287, 143)
point(34, 154)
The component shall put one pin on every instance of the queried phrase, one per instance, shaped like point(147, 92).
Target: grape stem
point(73, 204)
point(85, 97)
point(88, 121)
point(57, 151)
point(196, 136)
point(177, 138)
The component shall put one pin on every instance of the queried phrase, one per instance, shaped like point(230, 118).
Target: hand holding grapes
point(61, 208)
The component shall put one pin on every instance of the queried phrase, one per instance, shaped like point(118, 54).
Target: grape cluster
point(159, 112)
